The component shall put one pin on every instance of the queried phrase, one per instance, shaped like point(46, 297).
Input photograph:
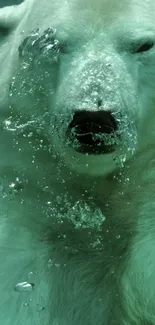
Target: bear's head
point(87, 68)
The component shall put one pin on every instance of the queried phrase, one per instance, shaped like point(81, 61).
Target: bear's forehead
point(87, 17)
point(112, 17)
point(113, 5)
point(103, 13)
point(113, 9)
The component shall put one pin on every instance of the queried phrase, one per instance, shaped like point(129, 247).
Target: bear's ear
point(11, 15)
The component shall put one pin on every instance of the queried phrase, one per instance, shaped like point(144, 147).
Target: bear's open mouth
point(93, 132)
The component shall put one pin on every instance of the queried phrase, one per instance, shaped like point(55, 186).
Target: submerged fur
point(79, 229)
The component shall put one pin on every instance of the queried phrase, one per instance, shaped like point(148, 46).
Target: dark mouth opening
point(93, 132)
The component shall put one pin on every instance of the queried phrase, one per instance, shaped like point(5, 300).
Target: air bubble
point(24, 286)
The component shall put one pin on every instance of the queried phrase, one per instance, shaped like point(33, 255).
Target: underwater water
point(4, 3)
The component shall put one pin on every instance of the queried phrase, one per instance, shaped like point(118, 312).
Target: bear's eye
point(145, 47)
point(4, 31)
point(65, 47)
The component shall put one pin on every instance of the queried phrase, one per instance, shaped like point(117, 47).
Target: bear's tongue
point(93, 132)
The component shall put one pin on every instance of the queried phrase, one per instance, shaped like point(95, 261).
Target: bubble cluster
point(82, 215)
point(37, 46)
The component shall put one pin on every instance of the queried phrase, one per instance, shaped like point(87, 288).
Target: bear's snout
point(93, 132)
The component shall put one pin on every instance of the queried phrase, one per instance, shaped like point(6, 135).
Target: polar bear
point(77, 162)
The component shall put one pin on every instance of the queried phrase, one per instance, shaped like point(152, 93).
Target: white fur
point(80, 228)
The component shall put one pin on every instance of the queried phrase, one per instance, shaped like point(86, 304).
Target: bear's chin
point(92, 164)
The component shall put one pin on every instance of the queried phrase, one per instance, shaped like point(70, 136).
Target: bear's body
point(79, 228)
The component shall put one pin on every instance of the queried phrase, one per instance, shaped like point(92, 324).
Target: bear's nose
point(93, 132)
